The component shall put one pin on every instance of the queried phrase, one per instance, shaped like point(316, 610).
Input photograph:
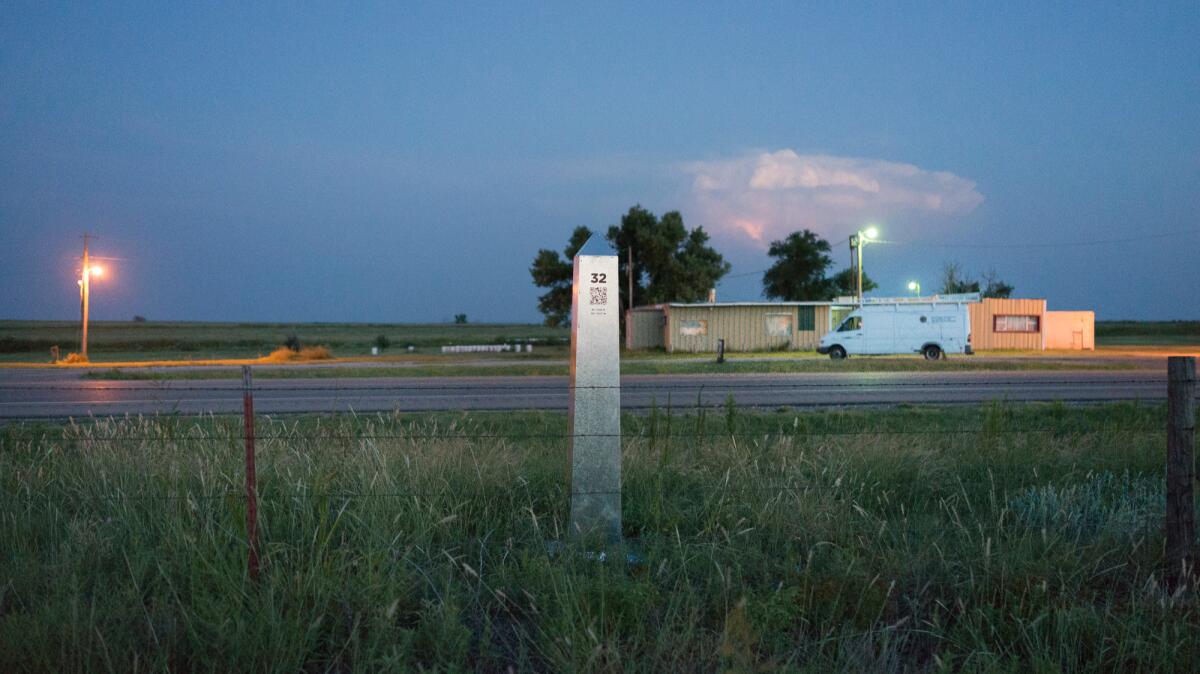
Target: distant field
point(1024, 538)
point(1148, 333)
point(112, 340)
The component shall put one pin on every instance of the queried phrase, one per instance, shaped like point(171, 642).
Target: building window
point(1015, 323)
point(779, 325)
point(808, 319)
point(693, 328)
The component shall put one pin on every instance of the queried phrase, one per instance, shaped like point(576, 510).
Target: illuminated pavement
point(56, 393)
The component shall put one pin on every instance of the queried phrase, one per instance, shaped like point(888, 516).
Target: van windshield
point(851, 323)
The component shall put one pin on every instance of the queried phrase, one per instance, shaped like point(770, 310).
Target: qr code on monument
point(599, 295)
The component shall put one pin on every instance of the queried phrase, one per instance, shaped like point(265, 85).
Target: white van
point(932, 327)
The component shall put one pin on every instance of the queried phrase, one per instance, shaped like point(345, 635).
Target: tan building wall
point(757, 327)
point(645, 328)
point(984, 335)
point(1074, 330)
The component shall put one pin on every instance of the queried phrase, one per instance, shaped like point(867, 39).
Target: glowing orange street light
point(87, 271)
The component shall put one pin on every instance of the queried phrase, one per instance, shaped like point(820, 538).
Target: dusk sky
point(404, 163)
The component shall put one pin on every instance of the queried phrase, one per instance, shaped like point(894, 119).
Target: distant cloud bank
point(763, 196)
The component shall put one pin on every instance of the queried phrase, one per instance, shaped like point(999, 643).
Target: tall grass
point(1002, 538)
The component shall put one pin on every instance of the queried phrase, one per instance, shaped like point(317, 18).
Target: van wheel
point(932, 352)
point(837, 353)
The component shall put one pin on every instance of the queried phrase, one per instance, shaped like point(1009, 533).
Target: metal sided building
point(1003, 324)
point(745, 326)
point(996, 324)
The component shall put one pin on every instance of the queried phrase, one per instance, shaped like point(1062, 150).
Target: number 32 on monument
point(599, 278)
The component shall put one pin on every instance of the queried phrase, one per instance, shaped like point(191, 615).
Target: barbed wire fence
point(1178, 434)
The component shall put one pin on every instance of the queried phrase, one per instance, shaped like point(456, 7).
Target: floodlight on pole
point(858, 240)
point(915, 286)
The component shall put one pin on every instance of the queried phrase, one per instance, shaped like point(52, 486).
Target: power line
point(1056, 244)
point(1047, 244)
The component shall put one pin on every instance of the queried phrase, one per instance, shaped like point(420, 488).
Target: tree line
point(672, 263)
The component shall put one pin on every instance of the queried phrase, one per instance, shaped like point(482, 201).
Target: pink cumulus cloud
point(761, 196)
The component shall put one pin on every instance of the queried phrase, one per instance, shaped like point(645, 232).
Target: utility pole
point(84, 276)
point(629, 315)
point(630, 274)
point(856, 264)
point(852, 240)
point(859, 277)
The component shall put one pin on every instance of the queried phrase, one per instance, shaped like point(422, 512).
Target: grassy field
point(111, 340)
point(998, 538)
point(914, 364)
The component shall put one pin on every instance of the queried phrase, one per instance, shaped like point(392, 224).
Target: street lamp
point(857, 241)
point(915, 286)
point(87, 271)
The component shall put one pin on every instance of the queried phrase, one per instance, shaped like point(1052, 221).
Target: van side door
point(879, 327)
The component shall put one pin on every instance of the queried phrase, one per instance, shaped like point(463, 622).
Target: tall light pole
point(858, 240)
point(86, 272)
point(915, 286)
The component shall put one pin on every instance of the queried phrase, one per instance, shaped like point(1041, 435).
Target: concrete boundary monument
point(594, 410)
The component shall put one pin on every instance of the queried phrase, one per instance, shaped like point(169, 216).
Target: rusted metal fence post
point(1181, 433)
point(251, 478)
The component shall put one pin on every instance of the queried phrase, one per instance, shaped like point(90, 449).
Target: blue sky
point(402, 163)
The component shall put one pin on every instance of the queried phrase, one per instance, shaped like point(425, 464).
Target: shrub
point(1105, 503)
point(460, 319)
point(74, 359)
point(287, 355)
point(382, 342)
point(292, 343)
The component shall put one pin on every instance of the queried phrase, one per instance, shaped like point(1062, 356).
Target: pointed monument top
point(596, 245)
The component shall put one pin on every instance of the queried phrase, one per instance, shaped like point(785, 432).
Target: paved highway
point(28, 393)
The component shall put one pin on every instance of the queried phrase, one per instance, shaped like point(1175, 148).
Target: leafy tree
point(845, 284)
point(798, 272)
point(670, 263)
point(460, 319)
point(552, 272)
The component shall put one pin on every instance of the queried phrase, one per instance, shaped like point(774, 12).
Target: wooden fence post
point(1181, 431)
point(251, 478)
